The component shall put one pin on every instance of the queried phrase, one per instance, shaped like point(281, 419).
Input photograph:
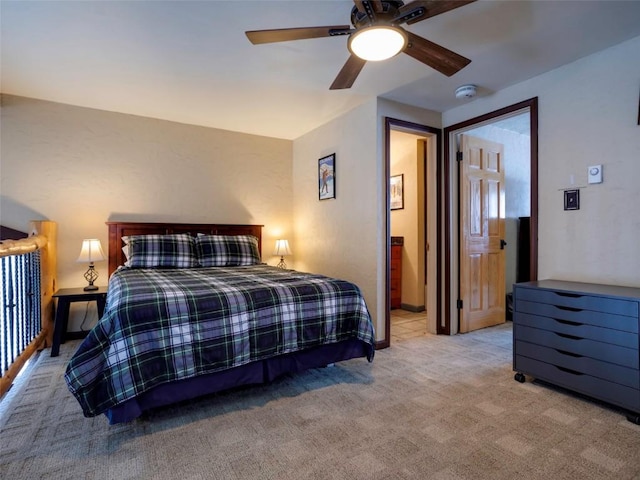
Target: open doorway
point(477, 282)
point(412, 153)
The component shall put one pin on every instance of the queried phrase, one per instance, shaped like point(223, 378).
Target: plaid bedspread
point(170, 324)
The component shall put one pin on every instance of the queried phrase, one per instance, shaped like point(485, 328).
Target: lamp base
point(282, 264)
point(90, 276)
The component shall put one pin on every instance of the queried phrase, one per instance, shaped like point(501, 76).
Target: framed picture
point(327, 177)
point(572, 199)
point(396, 189)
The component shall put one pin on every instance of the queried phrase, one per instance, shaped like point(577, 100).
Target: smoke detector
point(466, 91)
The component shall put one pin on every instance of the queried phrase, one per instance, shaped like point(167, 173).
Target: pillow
point(227, 250)
point(161, 251)
point(125, 250)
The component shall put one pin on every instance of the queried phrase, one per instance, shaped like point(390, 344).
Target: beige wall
point(588, 115)
point(338, 237)
point(92, 166)
point(81, 167)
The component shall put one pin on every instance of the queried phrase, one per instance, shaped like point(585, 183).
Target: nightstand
point(65, 297)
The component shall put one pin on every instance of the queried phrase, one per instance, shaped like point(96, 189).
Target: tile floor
point(405, 325)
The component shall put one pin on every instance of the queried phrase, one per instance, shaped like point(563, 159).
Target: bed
point(191, 310)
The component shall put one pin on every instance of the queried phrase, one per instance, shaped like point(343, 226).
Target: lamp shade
point(282, 248)
point(378, 42)
point(91, 251)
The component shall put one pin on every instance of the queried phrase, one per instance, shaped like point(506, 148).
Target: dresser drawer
point(627, 357)
point(606, 371)
point(589, 317)
point(611, 392)
point(578, 301)
point(591, 332)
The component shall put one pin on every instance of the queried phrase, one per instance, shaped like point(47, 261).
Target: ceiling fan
point(377, 35)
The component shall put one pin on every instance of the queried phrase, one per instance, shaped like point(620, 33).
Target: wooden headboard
point(117, 230)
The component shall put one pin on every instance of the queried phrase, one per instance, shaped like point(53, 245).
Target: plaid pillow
point(227, 250)
point(161, 251)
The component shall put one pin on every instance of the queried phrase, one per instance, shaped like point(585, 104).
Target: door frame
point(449, 201)
point(417, 129)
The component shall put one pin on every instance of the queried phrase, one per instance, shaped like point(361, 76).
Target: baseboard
point(412, 308)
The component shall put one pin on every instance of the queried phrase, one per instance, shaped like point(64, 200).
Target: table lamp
point(91, 252)
point(282, 249)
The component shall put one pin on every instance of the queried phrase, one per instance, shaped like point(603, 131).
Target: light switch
point(594, 174)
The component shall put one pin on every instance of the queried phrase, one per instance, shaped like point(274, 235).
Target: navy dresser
point(580, 336)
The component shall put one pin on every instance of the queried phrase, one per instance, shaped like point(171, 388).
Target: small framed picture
point(572, 199)
point(396, 190)
point(327, 177)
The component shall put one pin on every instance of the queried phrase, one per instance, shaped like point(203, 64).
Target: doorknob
point(502, 244)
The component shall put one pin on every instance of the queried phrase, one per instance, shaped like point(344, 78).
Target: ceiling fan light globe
point(377, 43)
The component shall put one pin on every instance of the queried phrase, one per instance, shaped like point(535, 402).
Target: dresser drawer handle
point(565, 335)
point(568, 309)
point(571, 295)
point(567, 322)
point(564, 352)
point(568, 370)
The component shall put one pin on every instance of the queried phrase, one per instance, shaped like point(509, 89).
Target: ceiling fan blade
point(286, 34)
point(434, 55)
point(419, 10)
point(348, 74)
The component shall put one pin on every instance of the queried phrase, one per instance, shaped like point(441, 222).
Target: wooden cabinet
point(396, 271)
point(580, 336)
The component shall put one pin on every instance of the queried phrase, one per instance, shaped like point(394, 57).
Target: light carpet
point(433, 407)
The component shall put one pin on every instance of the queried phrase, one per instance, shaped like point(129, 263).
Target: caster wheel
point(634, 419)
point(519, 377)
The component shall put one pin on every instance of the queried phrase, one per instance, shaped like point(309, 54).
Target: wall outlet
point(594, 174)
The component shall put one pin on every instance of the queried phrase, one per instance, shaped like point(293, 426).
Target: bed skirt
point(253, 373)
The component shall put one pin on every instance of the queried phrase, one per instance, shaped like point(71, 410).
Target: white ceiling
point(190, 62)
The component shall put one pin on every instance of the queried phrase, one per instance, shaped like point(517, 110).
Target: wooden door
point(482, 232)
